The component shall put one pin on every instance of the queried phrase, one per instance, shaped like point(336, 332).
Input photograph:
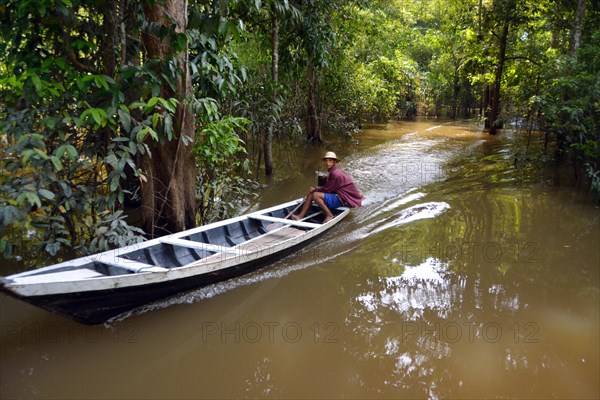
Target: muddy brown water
point(467, 274)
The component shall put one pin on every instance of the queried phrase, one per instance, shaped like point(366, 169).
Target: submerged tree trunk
point(495, 106)
point(168, 190)
point(455, 93)
point(268, 142)
point(485, 106)
point(313, 129)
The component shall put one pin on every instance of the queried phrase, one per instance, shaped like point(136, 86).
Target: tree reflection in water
point(495, 291)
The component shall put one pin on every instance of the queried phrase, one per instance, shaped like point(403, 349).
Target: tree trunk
point(108, 45)
point(109, 39)
point(577, 28)
point(556, 26)
point(130, 50)
point(313, 130)
point(455, 93)
point(268, 143)
point(168, 190)
point(485, 107)
point(495, 106)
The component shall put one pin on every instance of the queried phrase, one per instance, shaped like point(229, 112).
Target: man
point(339, 191)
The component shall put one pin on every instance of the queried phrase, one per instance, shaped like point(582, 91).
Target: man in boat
point(339, 191)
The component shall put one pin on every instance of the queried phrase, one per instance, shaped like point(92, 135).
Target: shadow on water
point(464, 275)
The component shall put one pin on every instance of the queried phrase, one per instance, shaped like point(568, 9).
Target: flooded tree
point(169, 171)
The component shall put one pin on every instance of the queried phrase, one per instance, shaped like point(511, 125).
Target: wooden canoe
point(96, 288)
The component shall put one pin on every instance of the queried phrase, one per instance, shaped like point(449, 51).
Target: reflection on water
point(467, 274)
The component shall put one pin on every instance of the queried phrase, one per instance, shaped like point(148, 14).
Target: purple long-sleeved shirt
point(340, 183)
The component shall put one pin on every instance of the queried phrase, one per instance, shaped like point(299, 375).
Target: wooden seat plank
point(131, 265)
point(285, 221)
point(201, 246)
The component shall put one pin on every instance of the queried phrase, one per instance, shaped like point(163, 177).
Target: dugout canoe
point(97, 288)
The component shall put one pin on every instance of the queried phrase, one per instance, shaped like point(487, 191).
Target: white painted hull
point(95, 288)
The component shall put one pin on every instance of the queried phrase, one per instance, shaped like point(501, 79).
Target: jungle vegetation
point(114, 104)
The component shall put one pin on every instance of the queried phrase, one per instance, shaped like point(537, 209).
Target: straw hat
point(331, 154)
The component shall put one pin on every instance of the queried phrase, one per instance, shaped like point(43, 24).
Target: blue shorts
point(332, 201)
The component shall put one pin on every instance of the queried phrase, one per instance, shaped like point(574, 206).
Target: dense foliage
point(98, 98)
point(61, 167)
point(571, 109)
point(86, 109)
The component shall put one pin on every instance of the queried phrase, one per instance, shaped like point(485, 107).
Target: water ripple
point(414, 213)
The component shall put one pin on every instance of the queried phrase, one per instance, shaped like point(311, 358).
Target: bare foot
point(327, 219)
point(296, 217)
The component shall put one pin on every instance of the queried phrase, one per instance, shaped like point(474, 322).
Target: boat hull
point(95, 289)
point(97, 307)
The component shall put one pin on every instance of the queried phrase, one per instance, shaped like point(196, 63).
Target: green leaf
point(46, 194)
point(96, 116)
point(168, 105)
point(132, 147)
point(10, 215)
point(60, 150)
point(66, 188)
point(50, 122)
point(153, 133)
point(181, 41)
point(84, 115)
point(41, 153)
point(169, 126)
point(100, 82)
point(57, 164)
point(72, 152)
point(142, 133)
point(36, 82)
point(114, 183)
point(27, 154)
point(52, 248)
point(33, 199)
point(151, 104)
point(125, 119)
point(136, 104)
point(145, 131)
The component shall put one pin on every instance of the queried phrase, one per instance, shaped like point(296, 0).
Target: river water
point(468, 273)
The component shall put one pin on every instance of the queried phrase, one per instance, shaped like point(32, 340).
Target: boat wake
point(412, 214)
point(278, 269)
point(192, 297)
point(284, 267)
